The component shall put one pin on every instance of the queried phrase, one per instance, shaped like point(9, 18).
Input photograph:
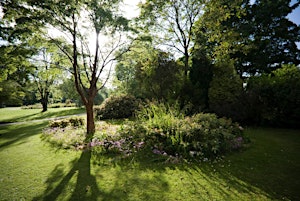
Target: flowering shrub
point(117, 107)
point(61, 133)
point(168, 132)
point(116, 144)
point(162, 129)
point(65, 138)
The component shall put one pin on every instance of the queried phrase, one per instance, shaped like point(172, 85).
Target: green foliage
point(258, 36)
point(116, 107)
point(274, 99)
point(167, 131)
point(171, 24)
point(150, 73)
point(63, 123)
point(11, 93)
point(200, 76)
point(225, 90)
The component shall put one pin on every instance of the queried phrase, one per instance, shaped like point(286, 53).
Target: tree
point(159, 76)
point(172, 22)
point(45, 75)
point(258, 37)
point(71, 17)
point(14, 70)
point(273, 99)
point(11, 93)
point(146, 72)
point(66, 91)
point(225, 90)
point(272, 37)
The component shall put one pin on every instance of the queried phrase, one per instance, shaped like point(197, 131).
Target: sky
point(295, 15)
point(131, 10)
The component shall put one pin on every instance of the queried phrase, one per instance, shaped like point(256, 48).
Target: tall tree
point(76, 19)
point(45, 74)
point(272, 37)
point(258, 37)
point(172, 22)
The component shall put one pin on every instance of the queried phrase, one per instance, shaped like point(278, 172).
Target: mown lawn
point(32, 170)
point(17, 114)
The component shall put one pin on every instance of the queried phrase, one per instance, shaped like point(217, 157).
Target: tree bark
point(90, 119)
point(44, 105)
point(44, 101)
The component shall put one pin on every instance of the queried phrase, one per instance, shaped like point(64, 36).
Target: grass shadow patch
point(271, 165)
point(77, 184)
point(18, 133)
point(120, 180)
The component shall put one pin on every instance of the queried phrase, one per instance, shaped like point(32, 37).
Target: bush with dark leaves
point(117, 107)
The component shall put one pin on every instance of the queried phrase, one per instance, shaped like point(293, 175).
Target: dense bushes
point(274, 99)
point(165, 130)
point(116, 107)
point(54, 105)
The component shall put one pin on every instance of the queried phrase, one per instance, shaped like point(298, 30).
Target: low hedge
point(63, 123)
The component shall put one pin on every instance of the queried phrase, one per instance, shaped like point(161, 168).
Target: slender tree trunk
point(44, 101)
point(90, 119)
point(44, 105)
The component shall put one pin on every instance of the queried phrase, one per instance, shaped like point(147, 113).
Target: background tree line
point(236, 58)
point(242, 59)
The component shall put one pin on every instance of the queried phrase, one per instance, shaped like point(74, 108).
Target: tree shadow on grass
point(17, 133)
point(85, 184)
point(121, 183)
point(270, 167)
point(19, 119)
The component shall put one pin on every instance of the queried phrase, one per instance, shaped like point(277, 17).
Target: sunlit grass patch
point(17, 114)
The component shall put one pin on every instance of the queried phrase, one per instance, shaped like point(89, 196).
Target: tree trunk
point(90, 120)
point(45, 105)
point(44, 102)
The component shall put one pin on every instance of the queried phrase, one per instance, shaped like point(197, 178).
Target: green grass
point(16, 114)
point(32, 170)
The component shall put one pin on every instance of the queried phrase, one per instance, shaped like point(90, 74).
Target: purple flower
point(156, 151)
point(237, 143)
point(139, 145)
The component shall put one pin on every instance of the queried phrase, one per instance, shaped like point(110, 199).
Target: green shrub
point(63, 123)
point(273, 99)
point(117, 107)
point(166, 130)
point(61, 105)
point(76, 121)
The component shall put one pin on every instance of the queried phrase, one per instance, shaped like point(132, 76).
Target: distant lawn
point(32, 170)
point(17, 114)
